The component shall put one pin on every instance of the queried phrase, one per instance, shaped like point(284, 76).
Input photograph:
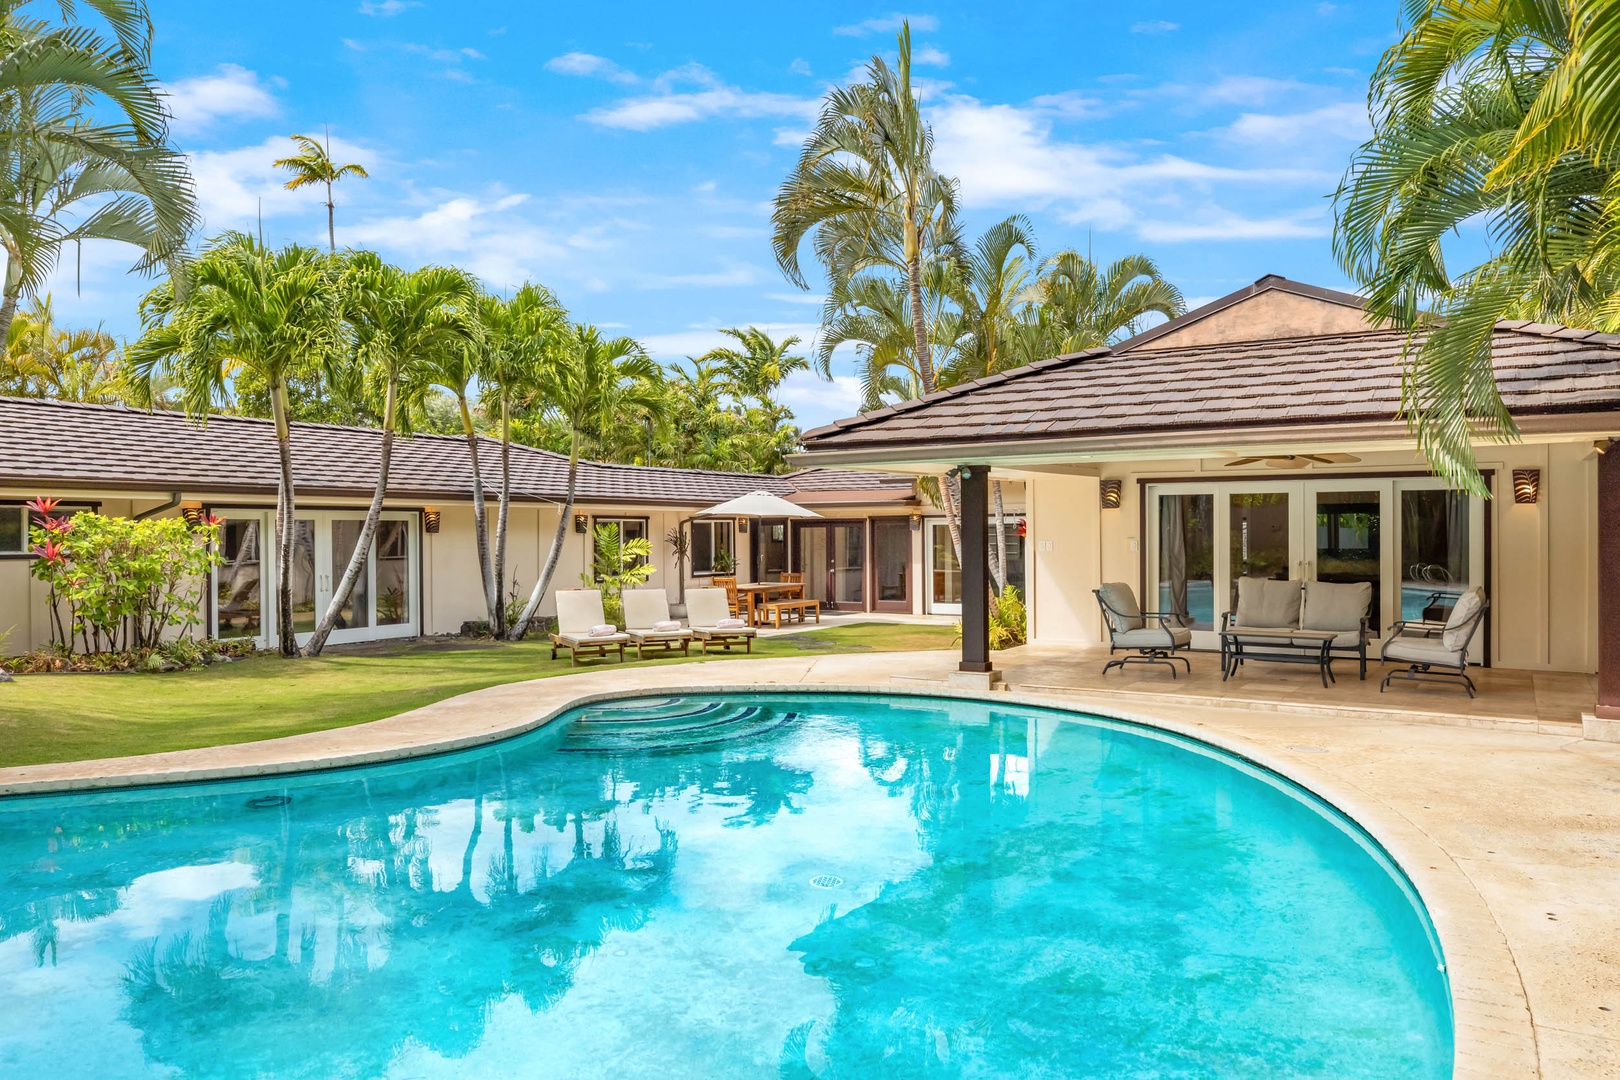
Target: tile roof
point(1344, 378)
point(49, 445)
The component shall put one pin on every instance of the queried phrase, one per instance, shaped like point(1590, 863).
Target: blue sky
point(625, 155)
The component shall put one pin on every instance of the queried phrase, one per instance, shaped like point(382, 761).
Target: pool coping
point(1493, 1032)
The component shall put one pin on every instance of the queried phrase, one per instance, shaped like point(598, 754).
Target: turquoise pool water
point(786, 886)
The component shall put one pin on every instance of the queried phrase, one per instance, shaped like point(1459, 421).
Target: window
point(15, 520)
point(712, 547)
point(629, 529)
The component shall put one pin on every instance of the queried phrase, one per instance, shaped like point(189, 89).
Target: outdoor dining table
point(757, 593)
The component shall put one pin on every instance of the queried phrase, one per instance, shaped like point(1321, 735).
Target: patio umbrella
point(757, 504)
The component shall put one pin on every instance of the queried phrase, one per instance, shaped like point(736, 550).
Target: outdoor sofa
point(1338, 607)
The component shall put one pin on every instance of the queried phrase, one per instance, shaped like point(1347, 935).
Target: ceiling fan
point(1295, 461)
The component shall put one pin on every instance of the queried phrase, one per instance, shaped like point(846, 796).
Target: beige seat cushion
point(1421, 650)
point(586, 639)
point(644, 609)
point(1266, 603)
point(578, 610)
point(1153, 637)
point(1468, 605)
point(1335, 605)
point(1119, 598)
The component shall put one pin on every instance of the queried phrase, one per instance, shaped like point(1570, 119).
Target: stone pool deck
point(1511, 831)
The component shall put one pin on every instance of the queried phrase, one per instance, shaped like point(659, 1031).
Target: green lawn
point(74, 717)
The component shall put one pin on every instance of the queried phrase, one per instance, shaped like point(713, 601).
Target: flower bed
point(170, 656)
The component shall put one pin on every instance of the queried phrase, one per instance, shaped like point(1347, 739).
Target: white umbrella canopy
point(757, 504)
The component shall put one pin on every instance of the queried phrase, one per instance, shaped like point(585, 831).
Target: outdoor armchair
point(647, 622)
point(708, 612)
point(1152, 637)
point(1435, 652)
point(582, 626)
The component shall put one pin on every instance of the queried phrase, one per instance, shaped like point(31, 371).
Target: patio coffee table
point(1308, 647)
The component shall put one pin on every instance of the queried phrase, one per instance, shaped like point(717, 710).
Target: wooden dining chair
point(730, 585)
point(793, 579)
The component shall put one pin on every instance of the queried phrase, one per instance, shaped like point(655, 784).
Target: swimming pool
point(817, 885)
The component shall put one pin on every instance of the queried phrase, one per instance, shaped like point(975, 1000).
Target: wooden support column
point(975, 507)
point(1608, 698)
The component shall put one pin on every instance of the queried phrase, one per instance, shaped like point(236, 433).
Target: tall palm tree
point(989, 289)
point(244, 307)
point(518, 336)
point(42, 360)
point(314, 165)
point(1498, 114)
point(67, 177)
point(591, 382)
point(757, 365)
point(400, 319)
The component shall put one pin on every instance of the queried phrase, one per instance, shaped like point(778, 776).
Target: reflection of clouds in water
point(154, 903)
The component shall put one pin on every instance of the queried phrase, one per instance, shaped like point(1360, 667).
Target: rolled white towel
point(730, 624)
point(603, 630)
point(665, 625)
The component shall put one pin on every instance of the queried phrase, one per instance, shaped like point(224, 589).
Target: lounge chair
point(1427, 646)
point(647, 622)
point(579, 612)
point(1154, 637)
point(705, 609)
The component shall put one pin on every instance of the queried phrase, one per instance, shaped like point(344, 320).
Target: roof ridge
point(1557, 330)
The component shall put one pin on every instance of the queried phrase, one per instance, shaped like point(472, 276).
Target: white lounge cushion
point(578, 610)
point(1120, 608)
point(1334, 605)
point(706, 607)
point(1421, 650)
point(1152, 637)
point(716, 632)
point(592, 639)
point(644, 609)
point(1468, 605)
point(1267, 604)
point(658, 635)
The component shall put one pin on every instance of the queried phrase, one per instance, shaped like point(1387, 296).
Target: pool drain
point(826, 881)
point(268, 802)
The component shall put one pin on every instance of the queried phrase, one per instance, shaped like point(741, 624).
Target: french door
point(385, 601)
point(1417, 543)
point(832, 557)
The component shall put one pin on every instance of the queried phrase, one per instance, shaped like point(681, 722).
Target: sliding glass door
point(1206, 537)
point(384, 602)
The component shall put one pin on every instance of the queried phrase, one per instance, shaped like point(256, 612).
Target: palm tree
point(68, 365)
point(242, 307)
point(759, 365)
point(591, 382)
point(989, 289)
point(315, 166)
point(1075, 305)
point(518, 336)
point(55, 160)
point(400, 319)
point(1500, 114)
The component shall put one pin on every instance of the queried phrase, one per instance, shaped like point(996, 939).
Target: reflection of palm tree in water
point(438, 958)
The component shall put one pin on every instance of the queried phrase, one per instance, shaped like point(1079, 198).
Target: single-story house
point(1259, 435)
point(877, 545)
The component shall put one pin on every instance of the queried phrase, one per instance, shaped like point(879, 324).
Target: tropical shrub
point(616, 565)
point(1009, 621)
point(124, 582)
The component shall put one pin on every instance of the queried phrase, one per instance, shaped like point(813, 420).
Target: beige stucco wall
point(1542, 558)
point(1264, 316)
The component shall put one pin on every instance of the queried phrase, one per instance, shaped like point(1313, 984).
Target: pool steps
point(668, 724)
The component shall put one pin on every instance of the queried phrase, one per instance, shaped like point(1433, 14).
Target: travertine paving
point(1511, 831)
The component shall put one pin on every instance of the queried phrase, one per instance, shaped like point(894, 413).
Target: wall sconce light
point(430, 520)
point(193, 513)
point(916, 523)
point(1113, 493)
point(582, 523)
point(1526, 485)
point(742, 525)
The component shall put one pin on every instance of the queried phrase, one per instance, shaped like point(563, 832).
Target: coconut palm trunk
point(499, 625)
point(8, 309)
point(361, 556)
point(492, 595)
point(284, 523)
point(522, 625)
point(998, 541)
point(925, 372)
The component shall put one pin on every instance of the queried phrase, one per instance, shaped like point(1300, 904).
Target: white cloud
point(1154, 26)
point(481, 234)
point(670, 105)
point(815, 401)
point(386, 8)
point(1217, 224)
point(1345, 121)
point(232, 92)
point(1246, 90)
point(797, 298)
point(790, 136)
point(232, 185)
point(589, 66)
point(928, 54)
point(697, 340)
point(888, 24)
point(735, 275)
point(800, 67)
